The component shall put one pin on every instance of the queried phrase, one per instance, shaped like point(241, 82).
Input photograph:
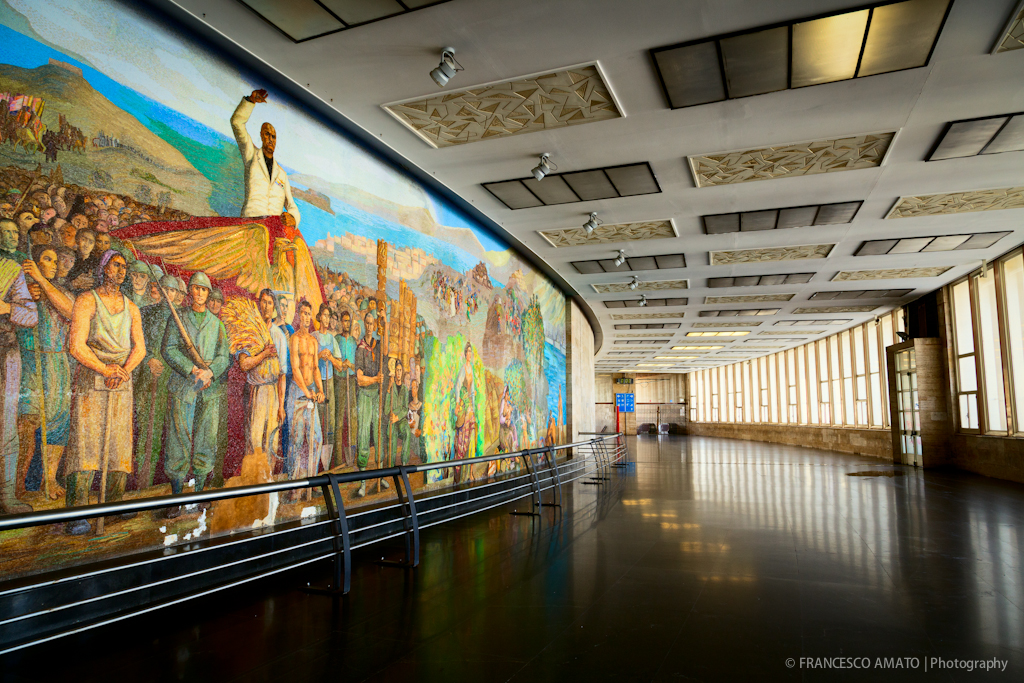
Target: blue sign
point(625, 403)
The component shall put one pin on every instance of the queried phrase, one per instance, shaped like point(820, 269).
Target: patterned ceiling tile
point(890, 273)
point(797, 159)
point(620, 232)
point(725, 324)
point(811, 310)
point(555, 99)
point(656, 286)
point(806, 251)
point(644, 316)
point(747, 298)
point(789, 333)
point(1013, 38)
point(958, 202)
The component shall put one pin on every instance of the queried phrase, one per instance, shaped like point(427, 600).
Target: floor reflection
point(706, 559)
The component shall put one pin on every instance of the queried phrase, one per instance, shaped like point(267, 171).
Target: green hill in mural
point(106, 164)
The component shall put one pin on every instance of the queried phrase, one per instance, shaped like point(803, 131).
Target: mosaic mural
point(203, 286)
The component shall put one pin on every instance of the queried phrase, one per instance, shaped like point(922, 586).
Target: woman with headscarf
point(54, 305)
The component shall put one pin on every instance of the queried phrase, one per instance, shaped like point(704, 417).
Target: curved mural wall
point(205, 286)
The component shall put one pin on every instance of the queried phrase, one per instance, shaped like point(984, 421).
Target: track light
point(591, 223)
point(621, 258)
point(544, 167)
point(447, 68)
point(643, 300)
point(634, 283)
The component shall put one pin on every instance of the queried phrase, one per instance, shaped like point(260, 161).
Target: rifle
point(39, 382)
point(193, 352)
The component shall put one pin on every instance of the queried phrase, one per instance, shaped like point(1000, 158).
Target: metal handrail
point(594, 459)
point(30, 519)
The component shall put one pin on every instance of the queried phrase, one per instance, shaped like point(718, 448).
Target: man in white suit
point(267, 192)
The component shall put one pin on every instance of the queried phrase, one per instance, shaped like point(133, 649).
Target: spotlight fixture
point(592, 223)
point(621, 258)
point(447, 68)
point(643, 300)
point(544, 167)
point(634, 283)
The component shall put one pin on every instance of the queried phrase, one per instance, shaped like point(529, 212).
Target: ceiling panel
point(551, 190)
point(568, 96)
point(958, 202)
point(796, 217)
point(1010, 138)
point(756, 63)
point(758, 220)
point(827, 50)
point(901, 35)
point(298, 19)
point(691, 75)
point(967, 138)
point(633, 180)
point(362, 11)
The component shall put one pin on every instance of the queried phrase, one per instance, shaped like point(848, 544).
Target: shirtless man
point(304, 395)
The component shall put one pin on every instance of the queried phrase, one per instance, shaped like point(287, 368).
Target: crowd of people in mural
point(123, 373)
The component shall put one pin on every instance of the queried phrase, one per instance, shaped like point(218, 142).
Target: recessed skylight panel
point(914, 245)
point(635, 263)
point(902, 35)
point(760, 280)
point(988, 135)
point(827, 50)
point(775, 219)
point(835, 47)
point(576, 186)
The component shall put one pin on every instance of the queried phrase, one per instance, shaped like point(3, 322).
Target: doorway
point(908, 408)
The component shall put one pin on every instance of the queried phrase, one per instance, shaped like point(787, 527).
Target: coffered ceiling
point(861, 143)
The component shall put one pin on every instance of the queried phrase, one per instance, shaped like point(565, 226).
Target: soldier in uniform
point(368, 376)
point(194, 393)
point(396, 417)
point(138, 290)
point(151, 384)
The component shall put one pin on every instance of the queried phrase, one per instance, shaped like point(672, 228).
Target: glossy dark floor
point(712, 560)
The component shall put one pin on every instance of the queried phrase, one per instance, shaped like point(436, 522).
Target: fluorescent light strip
point(881, 38)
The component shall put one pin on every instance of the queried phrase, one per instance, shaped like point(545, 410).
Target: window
point(794, 410)
point(874, 375)
point(846, 368)
point(748, 415)
point(1013, 281)
point(991, 353)
point(762, 387)
point(812, 382)
point(825, 394)
point(773, 392)
point(966, 370)
point(837, 380)
point(801, 372)
point(860, 375)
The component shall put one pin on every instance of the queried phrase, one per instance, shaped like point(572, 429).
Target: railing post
point(410, 521)
point(531, 467)
point(335, 505)
point(558, 479)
